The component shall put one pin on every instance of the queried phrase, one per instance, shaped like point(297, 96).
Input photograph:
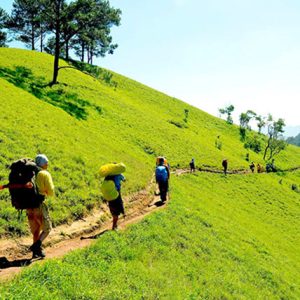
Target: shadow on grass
point(23, 78)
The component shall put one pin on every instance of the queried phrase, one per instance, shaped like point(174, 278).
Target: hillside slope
point(83, 123)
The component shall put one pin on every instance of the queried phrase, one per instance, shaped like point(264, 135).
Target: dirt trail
point(15, 254)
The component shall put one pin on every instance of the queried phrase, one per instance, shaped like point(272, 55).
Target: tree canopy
point(3, 20)
point(227, 111)
point(60, 26)
point(275, 143)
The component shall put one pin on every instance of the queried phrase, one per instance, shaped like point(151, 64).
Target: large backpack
point(161, 173)
point(109, 191)
point(22, 171)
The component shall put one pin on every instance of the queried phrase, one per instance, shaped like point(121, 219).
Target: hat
point(41, 159)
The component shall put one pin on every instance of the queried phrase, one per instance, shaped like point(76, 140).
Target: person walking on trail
point(225, 166)
point(192, 165)
point(38, 218)
point(162, 175)
point(116, 206)
point(252, 167)
point(260, 168)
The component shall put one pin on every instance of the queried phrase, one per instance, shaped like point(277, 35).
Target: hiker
point(162, 175)
point(116, 206)
point(225, 165)
point(252, 167)
point(218, 142)
point(192, 165)
point(270, 167)
point(38, 218)
point(247, 157)
point(260, 169)
point(30, 195)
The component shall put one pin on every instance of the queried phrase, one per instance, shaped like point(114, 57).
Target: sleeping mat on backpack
point(112, 169)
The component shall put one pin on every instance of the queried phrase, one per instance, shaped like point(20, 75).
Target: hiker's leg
point(167, 190)
point(122, 210)
point(161, 190)
point(115, 222)
point(163, 186)
point(115, 210)
point(46, 225)
point(35, 221)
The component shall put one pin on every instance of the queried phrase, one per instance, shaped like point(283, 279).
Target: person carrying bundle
point(111, 190)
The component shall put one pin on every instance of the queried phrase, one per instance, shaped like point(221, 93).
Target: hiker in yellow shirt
point(38, 218)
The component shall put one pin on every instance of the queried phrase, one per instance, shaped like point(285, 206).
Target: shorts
point(116, 206)
point(39, 218)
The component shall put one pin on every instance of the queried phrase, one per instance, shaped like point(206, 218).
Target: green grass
point(84, 122)
point(234, 237)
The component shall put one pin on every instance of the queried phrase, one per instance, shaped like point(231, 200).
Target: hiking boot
point(36, 249)
point(38, 253)
point(35, 245)
point(115, 228)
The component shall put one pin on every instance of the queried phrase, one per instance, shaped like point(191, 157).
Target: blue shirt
point(118, 179)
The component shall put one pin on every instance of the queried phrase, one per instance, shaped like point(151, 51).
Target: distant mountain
point(294, 140)
point(291, 131)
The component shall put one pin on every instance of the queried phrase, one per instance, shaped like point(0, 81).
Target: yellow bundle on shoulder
point(112, 169)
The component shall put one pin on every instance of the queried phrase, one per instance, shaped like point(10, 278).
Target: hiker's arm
point(168, 170)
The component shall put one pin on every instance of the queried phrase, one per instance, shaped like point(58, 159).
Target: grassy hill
point(219, 238)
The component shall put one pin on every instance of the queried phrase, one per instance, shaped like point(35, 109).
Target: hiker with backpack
point(252, 167)
point(38, 217)
point(29, 184)
point(192, 165)
point(116, 205)
point(162, 175)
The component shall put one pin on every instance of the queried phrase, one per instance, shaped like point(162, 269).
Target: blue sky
point(213, 53)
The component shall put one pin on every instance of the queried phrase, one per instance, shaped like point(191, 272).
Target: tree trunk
point(57, 43)
point(32, 36)
point(42, 39)
point(56, 60)
point(82, 52)
point(267, 148)
point(67, 49)
point(88, 54)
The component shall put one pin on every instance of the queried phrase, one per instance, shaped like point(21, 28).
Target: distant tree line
point(294, 140)
point(57, 27)
point(270, 144)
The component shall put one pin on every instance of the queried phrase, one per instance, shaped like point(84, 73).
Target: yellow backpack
point(108, 190)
